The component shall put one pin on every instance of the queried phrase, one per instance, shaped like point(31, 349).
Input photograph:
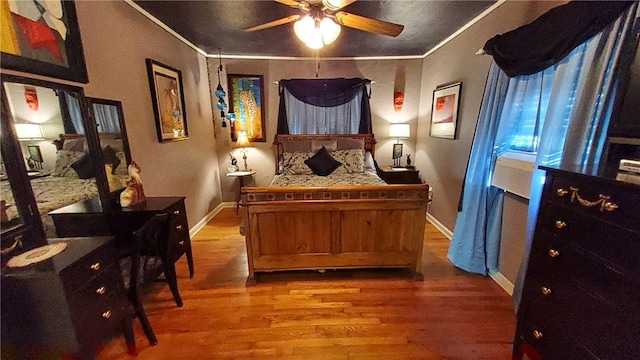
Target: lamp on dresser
point(398, 131)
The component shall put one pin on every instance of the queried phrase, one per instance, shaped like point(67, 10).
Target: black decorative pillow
point(322, 163)
point(84, 167)
point(109, 156)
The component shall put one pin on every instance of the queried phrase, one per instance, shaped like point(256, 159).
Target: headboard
point(64, 137)
point(278, 148)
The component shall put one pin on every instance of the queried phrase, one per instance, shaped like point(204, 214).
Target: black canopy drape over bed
point(542, 43)
point(342, 103)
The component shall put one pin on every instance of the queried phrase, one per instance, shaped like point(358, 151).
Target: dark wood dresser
point(86, 218)
point(399, 175)
point(66, 304)
point(581, 296)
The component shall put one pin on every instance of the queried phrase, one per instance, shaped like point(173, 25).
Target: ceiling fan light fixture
point(330, 30)
point(304, 27)
point(332, 4)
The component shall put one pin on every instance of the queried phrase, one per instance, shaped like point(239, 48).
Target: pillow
point(322, 163)
point(369, 163)
point(84, 167)
point(293, 163)
point(352, 160)
point(64, 159)
point(74, 144)
point(296, 145)
point(350, 143)
point(122, 168)
point(330, 145)
point(109, 156)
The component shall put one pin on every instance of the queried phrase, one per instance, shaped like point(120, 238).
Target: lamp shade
point(399, 131)
point(29, 132)
point(316, 33)
point(243, 140)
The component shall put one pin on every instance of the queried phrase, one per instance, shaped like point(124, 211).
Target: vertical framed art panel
point(42, 37)
point(167, 96)
point(246, 101)
point(444, 112)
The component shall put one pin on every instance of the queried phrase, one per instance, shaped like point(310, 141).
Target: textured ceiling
point(213, 25)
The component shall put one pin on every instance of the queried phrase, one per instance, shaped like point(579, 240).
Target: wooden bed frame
point(314, 228)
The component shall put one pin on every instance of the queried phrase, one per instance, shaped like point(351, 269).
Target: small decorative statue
point(408, 160)
point(233, 164)
point(134, 193)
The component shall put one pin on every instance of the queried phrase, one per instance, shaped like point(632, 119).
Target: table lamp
point(243, 142)
point(398, 131)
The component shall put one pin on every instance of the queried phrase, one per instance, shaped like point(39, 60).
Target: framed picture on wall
point(42, 38)
point(167, 96)
point(246, 102)
point(444, 112)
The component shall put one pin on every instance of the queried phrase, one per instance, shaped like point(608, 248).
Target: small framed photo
point(397, 151)
point(34, 153)
point(246, 102)
point(167, 96)
point(444, 112)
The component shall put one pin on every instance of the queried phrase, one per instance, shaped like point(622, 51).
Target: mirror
point(53, 139)
point(109, 118)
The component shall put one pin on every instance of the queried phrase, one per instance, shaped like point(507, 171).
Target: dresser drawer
point(79, 273)
point(617, 246)
point(179, 224)
point(570, 266)
point(619, 204)
point(178, 246)
point(103, 318)
point(106, 284)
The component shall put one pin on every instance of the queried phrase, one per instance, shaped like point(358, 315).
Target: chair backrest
point(150, 240)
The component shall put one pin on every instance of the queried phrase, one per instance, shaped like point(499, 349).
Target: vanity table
point(68, 303)
point(87, 218)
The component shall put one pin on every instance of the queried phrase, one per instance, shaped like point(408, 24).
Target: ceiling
point(215, 25)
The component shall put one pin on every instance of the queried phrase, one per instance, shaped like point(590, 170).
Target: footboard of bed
point(296, 228)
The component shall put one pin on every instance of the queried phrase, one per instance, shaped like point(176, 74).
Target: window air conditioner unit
point(513, 172)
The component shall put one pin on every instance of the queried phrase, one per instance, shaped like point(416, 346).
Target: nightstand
point(393, 175)
point(240, 175)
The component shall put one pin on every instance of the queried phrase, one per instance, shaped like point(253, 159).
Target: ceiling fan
point(318, 25)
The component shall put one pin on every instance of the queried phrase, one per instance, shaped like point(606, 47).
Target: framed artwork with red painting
point(444, 112)
point(42, 37)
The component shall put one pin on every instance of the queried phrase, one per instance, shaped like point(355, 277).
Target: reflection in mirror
point(109, 119)
point(60, 171)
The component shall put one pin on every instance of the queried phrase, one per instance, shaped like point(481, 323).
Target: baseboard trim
point(443, 229)
point(194, 230)
point(504, 283)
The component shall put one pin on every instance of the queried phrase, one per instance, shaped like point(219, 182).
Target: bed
point(300, 225)
point(70, 180)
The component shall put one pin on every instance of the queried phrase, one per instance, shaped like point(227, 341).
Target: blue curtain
point(584, 79)
point(75, 113)
point(107, 118)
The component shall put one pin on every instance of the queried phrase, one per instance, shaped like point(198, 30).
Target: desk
point(73, 301)
point(240, 175)
point(86, 218)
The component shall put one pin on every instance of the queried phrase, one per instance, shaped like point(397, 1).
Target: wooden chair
point(144, 261)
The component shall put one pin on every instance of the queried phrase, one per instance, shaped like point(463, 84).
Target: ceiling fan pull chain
point(317, 63)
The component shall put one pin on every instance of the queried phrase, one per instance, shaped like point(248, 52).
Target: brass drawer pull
point(106, 314)
point(537, 334)
point(560, 224)
point(95, 266)
point(176, 212)
point(553, 253)
point(561, 192)
point(602, 201)
point(101, 290)
point(545, 290)
point(181, 242)
point(179, 227)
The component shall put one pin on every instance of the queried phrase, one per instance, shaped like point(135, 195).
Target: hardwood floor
point(354, 315)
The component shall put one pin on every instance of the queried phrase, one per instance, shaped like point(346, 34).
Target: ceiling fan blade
point(282, 21)
point(368, 24)
point(302, 5)
point(334, 5)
